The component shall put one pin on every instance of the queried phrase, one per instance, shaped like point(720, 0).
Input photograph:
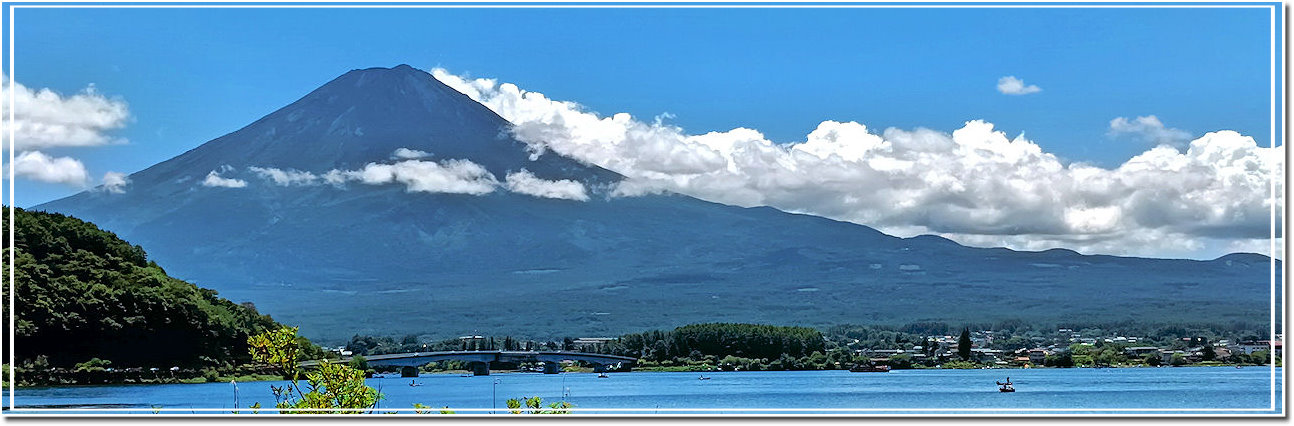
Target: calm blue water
point(1052, 391)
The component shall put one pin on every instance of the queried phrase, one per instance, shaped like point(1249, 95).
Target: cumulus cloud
point(285, 177)
point(43, 118)
point(525, 182)
point(216, 181)
point(409, 154)
point(1149, 129)
point(115, 182)
point(975, 185)
point(450, 176)
point(35, 165)
point(1010, 85)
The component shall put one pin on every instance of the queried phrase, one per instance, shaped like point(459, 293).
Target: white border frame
point(12, 410)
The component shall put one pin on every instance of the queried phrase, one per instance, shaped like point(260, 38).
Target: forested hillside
point(83, 293)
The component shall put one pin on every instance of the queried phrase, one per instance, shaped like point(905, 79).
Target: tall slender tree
point(964, 344)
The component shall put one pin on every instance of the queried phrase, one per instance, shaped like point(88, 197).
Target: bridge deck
point(422, 358)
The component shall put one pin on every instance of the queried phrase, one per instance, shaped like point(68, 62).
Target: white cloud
point(35, 165)
point(450, 176)
point(1010, 85)
point(975, 185)
point(409, 154)
point(1149, 129)
point(525, 182)
point(115, 182)
point(287, 177)
point(215, 180)
point(44, 118)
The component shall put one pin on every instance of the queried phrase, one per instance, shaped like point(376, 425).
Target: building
point(1037, 356)
point(592, 344)
point(1249, 347)
point(1275, 345)
point(472, 342)
point(985, 355)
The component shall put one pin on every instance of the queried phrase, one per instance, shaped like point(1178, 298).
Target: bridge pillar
point(480, 368)
point(599, 368)
point(408, 371)
point(552, 368)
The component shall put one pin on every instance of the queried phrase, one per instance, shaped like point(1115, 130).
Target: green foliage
point(358, 362)
point(961, 365)
point(210, 375)
point(372, 345)
point(93, 365)
point(1207, 353)
point(535, 405)
point(901, 362)
point(331, 389)
point(1109, 354)
point(1177, 360)
point(279, 348)
point(1262, 357)
point(83, 293)
point(1063, 359)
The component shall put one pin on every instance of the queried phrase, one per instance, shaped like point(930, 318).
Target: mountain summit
point(365, 116)
point(385, 202)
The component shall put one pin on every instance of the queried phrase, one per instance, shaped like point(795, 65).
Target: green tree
point(901, 361)
point(1062, 359)
point(84, 293)
point(358, 362)
point(1207, 353)
point(93, 365)
point(331, 389)
point(964, 344)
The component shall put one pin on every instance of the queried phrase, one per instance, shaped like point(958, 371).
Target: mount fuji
point(385, 202)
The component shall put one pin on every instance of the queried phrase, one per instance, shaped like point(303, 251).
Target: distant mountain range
point(292, 213)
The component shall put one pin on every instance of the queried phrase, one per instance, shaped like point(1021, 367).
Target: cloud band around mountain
point(975, 185)
point(453, 176)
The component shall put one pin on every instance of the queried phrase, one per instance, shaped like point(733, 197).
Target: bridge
point(480, 360)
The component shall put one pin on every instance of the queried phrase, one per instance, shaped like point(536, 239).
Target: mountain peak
point(396, 71)
point(364, 116)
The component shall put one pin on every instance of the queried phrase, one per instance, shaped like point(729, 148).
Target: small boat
point(602, 375)
point(1238, 367)
point(1005, 387)
point(703, 378)
point(414, 384)
point(464, 375)
point(870, 368)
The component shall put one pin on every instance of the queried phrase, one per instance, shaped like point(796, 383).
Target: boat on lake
point(1005, 387)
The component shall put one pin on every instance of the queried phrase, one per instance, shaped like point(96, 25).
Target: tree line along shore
point(93, 308)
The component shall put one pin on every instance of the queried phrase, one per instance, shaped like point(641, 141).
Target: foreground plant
point(535, 405)
point(332, 388)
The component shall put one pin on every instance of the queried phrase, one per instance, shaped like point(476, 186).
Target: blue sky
point(190, 75)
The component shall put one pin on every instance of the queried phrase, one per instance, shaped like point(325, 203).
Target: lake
point(1185, 390)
